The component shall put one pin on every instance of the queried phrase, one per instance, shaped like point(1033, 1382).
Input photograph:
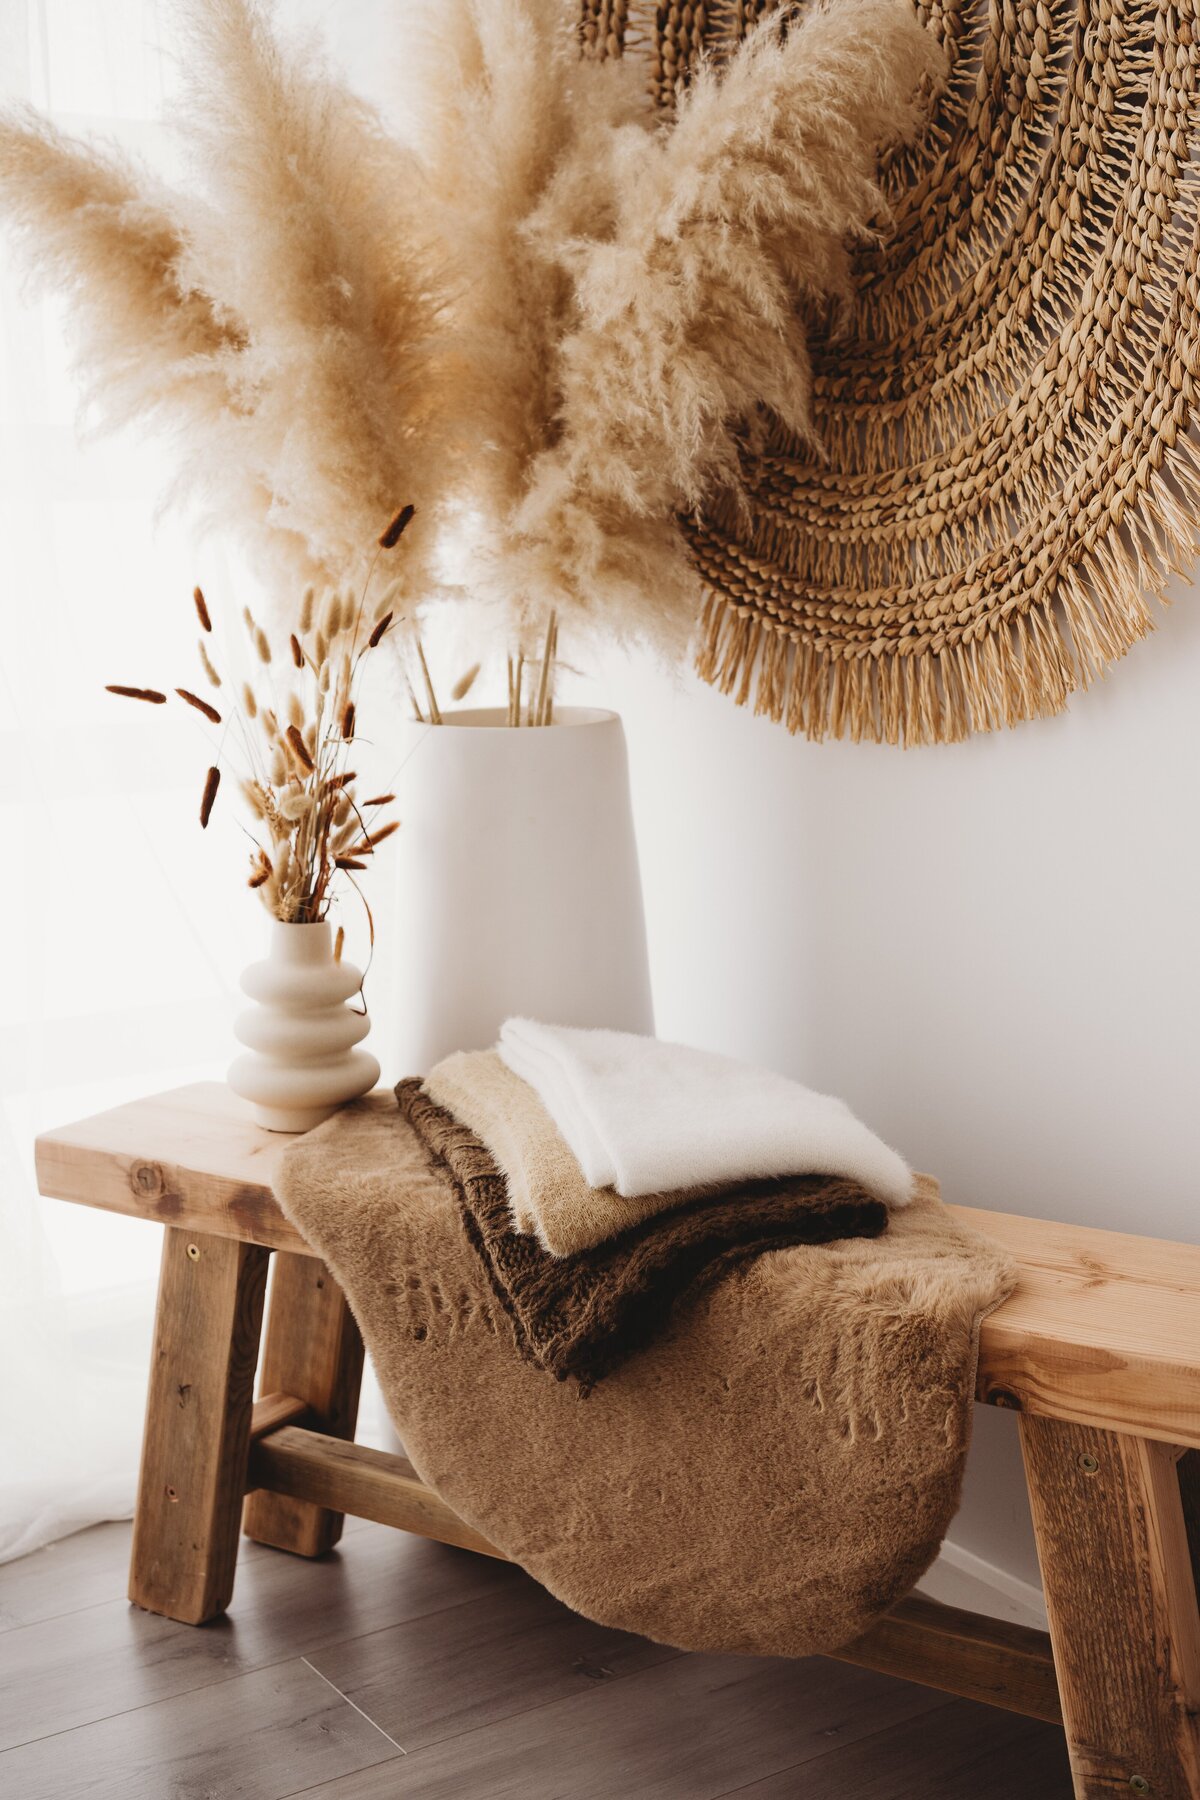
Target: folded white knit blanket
point(645, 1117)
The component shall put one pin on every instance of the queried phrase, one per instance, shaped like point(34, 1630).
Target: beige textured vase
point(301, 1064)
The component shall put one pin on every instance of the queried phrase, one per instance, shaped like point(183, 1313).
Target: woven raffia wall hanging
point(1010, 478)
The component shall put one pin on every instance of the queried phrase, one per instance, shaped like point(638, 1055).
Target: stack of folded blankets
point(603, 1177)
point(776, 1327)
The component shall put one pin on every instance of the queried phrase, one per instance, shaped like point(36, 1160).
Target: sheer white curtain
point(122, 925)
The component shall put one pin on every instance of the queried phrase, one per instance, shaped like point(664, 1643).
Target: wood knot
point(146, 1180)
point(1004, 1397)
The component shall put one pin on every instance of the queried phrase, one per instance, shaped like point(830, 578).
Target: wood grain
point(63, 1673)
point(1104, 1328)
point(371, 1484)
point(197, 1434)
point(690, 1728)
point(960, 1752)
point(262, 1736)
point(1121, 1598)
point(963, 1653)
point(192, 1157)
point(314, 1352)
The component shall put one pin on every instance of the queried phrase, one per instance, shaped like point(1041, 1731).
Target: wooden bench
point(1098, 1351)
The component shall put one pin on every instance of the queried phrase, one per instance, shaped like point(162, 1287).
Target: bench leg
point(313, 1352)
point(1112, 1539)
point(194, 1452)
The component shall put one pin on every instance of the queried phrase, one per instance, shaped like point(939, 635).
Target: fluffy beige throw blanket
point(768, 1476)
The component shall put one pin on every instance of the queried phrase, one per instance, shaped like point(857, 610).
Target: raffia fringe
point(1019, 668)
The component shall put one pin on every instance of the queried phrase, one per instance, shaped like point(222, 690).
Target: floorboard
point(512, 1649)
point(688, 1729)
point(399, 1669)
point(62, 1673)
point(961, 1750)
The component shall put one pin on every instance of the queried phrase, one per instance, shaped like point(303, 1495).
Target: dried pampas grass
point(279, 315)
point(692, 308)
point(628, 298)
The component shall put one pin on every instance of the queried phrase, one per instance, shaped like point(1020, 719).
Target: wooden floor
point(400, 1668)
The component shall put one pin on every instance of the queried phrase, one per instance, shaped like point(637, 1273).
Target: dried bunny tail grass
point(295, 711)
point(206, 663)
point(201, 606)
point(319, 240)
point(691, 312)
point(102, 232)
point(201, 706)
point(304, 622)
point(212, 782)
point(255, 797)
point(461, 688)
point(381, 629)
point(151, 695)
point(262, 645)
point(295, 739)
point(249, 702)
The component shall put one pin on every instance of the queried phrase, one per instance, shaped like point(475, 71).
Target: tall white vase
point(301, 1064)
point(517, 883)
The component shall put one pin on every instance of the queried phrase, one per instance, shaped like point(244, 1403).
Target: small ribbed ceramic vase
point(301, 1063)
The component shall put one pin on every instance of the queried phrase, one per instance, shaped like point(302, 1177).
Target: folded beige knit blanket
point(767, 1476)
point(579, 1317)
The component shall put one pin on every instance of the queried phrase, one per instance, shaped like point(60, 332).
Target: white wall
point(989, 949)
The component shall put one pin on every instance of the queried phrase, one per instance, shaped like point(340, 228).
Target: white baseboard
point(960, 1578)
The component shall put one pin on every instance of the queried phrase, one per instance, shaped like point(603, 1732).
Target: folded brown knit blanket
point(580, 1316)
point(768, 1475)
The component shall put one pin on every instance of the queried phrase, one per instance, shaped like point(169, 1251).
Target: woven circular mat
point(1010, 479)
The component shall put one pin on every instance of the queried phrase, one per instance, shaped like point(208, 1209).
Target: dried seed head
point(248, 620)
point(201, 608)
point(331, 624)
point(395, 531)
point(254, 798)
point(299, 747)
point(320, 649)
point(201, 706)
point(295, 806)
point(379, 631)
point(379, 800)
point(347, 862)
point(279, 768)
point(295, 710)
point(465, 683)
point(348, 720)
point(249, 703)
point(206, 663)
point(385, 831)
point(306, 610)
point(136, 693)
point(212, 782)
point(297, 652)
point(261, 645)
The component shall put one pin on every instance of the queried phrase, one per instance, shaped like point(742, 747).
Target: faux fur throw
point(547, 1194)
point(767, 1476)
point(581, 1316)
point(646, 1117)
